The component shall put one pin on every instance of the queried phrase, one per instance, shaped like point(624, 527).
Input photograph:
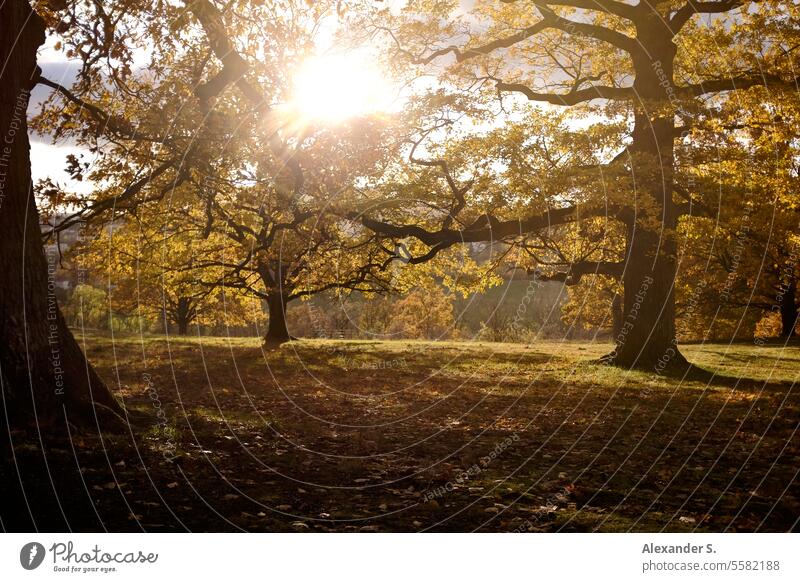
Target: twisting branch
point(601, 33)
point(462, 55)
point(117, 125)
point(549, 20)
point(573, 97)
point(459, 192)
point(487, 228)
point(678, 20)
point(744, 81)
point(576, 271)
point(607, 6)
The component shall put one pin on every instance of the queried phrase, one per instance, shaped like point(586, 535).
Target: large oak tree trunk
point(277, 331)
point(47, 384)
point(647, 337)
point(45, 375)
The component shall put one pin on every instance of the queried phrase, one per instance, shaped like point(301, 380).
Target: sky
point(366, 93)
point(48, 159)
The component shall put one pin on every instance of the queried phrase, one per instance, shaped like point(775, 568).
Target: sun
point(335, 87)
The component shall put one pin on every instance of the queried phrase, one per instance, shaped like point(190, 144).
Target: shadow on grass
point(559, 445)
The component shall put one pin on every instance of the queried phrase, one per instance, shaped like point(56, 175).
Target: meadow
point(324, 435)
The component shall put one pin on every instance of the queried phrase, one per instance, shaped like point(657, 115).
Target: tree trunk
point(45, 375)
point(789, 312)
point(47, 384)
point(647, 336)
point(617, 317)
point(183, 315)
point(277, 332)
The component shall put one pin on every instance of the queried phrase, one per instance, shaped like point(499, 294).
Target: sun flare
point(332, 88)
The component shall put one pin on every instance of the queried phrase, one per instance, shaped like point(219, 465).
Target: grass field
point(407, 436)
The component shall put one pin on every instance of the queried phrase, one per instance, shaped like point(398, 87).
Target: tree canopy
point(594, 143)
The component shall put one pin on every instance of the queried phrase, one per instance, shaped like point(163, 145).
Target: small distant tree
point(424, 313)
point(376, 316)
point(88, 307)
point(148, 264)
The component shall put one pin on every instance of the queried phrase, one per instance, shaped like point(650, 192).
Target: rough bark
point(617, 315)
point(183, 315)
point(48, 387)
point(647, 337)
point(277, 331)
point(45, 375)
point(183, 327)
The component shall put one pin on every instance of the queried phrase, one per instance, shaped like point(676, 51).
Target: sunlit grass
point(618, 450)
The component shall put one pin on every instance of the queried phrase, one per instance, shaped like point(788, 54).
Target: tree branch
point(462, 55)
point(549, 20)
point(458, 191)
point(572, 97)
point(607, 6)
point(234, 70)
point(485, 229)
point(117, 125)
point(601, 33)
point(738, 82)
point(90, 212)
point(685, 12)
point(578, 270)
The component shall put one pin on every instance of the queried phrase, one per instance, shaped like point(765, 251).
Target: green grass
point(349, 434)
